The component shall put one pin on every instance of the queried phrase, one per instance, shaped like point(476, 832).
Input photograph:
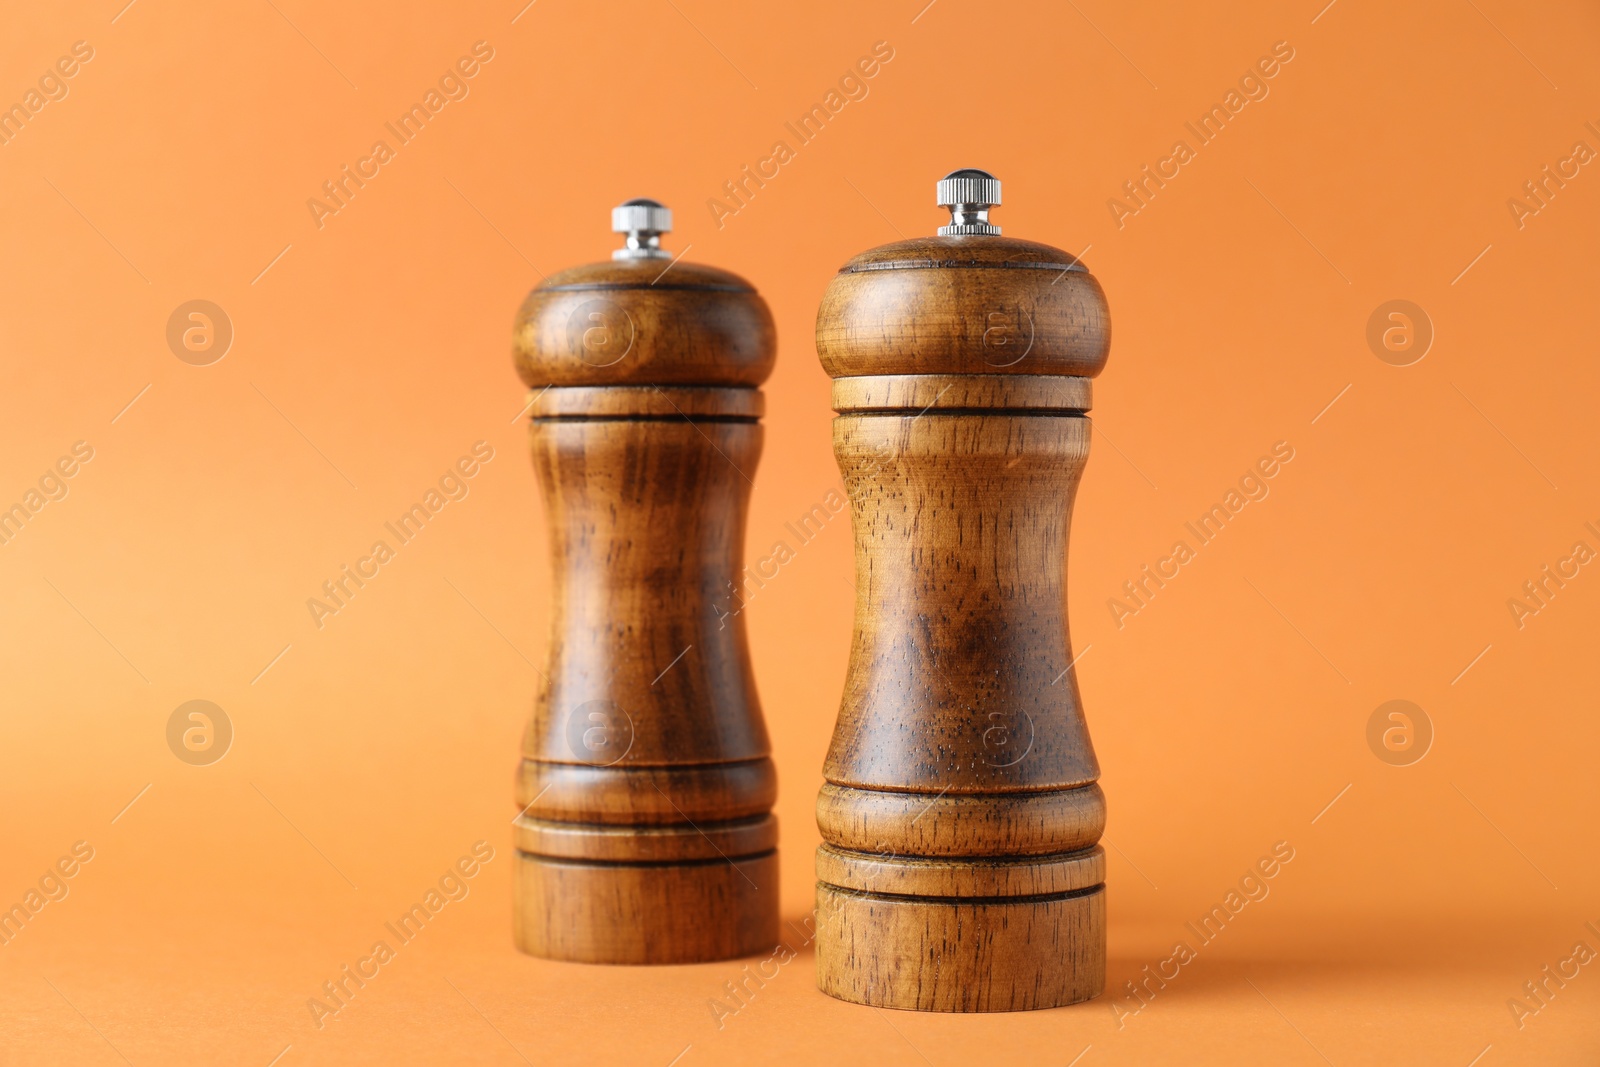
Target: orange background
point(1227, 714)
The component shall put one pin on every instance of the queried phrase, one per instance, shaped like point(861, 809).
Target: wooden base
point(1006, 952)
point(635, 913)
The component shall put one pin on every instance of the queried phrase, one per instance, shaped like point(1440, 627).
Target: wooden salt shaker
point(960, 815)
point(645, 833)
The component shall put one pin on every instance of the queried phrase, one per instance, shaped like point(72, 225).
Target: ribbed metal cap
point(644, 221)
point(969, 194)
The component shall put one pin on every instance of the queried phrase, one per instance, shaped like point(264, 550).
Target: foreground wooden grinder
point(645, 834)
point(959, 869)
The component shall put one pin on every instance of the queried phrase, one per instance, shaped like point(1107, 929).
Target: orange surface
point(370, 352)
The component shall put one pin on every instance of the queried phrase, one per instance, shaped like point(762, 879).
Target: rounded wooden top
point(967, 304)
point(644, 322)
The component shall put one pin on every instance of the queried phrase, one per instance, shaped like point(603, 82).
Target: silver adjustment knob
point(644, 221)
point(969, 194)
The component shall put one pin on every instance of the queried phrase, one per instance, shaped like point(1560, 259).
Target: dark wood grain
point(960, 869)
point(645, 832)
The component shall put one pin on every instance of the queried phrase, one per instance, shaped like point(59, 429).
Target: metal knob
point(644, 221)
point(969, 194)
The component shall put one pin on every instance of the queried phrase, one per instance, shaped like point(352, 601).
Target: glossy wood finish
point(961, 953)
point(645, 832)
point(1026, 876)
point(963, 305)
point(950, 823)
point(681, 912)
point(642, 322)
point(646, 401)
point(960, 869)
point(899, 393)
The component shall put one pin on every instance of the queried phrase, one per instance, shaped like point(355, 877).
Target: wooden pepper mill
point(646, 834)
point(959, 869)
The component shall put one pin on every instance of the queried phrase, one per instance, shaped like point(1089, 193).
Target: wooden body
point(960, 869)
point(645, 832)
